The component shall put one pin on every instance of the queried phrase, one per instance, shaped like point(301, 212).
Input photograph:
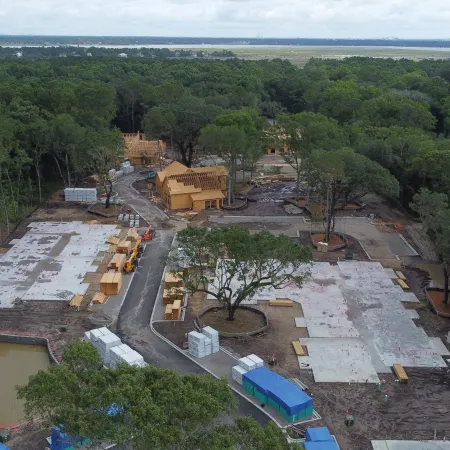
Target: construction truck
point(149, 234)
point(133, 260)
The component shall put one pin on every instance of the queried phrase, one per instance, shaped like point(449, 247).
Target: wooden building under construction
point(197, 188)
point(142, 152)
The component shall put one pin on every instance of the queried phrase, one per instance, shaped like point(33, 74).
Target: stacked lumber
point(133, 235)
point(176, 310)
point(76, 300)
point(400, 373)
point(281, 302)
point(124, 247)
point(298, 349)
point(117, 262)
point(172, 294)
point(113, 240)
point(173, 280)
point(99, 298)
point(112, 249)
point(168, 312)
point(111, 283)
point(402, 284)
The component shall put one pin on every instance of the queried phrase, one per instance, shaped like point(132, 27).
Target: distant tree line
point(394, 114)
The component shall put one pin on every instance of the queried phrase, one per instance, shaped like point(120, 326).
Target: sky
point(229, 18)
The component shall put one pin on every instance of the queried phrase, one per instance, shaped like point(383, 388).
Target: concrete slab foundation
point(51, 261)
point(300, 322)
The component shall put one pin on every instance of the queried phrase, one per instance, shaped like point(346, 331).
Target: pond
point(17, 363)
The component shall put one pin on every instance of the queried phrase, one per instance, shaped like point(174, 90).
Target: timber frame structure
point(142, 152)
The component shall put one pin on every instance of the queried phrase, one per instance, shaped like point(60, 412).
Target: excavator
point(149, 234)
point(133, 260)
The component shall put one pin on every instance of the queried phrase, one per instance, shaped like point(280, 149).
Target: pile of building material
point(199, 345)
point(99, 298)
point(126, 168)
point(212, 334)
point(117, 262)
point(133, 235)
point(257, 360)
point(111, 283)
point(124, 247)
point(80, 195)
point(236, 374)
point(319, 438)
point(113, 240)
point(111, 349)
point(173, 295)
point(123, 354)
point(247, 364)
point(76, 301)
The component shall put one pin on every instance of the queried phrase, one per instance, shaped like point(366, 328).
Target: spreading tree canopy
point(240, 261)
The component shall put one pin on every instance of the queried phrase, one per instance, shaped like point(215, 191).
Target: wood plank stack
point(124, 247)
point(400, 373)
point(173, 280)
point(113, 240)
point(111, 283)
point(281, 302)
point(168, 313)
point(117, 262)
point(99, 298)
point(76, 301)
point(176, 310)
point(133, 235)
point(172, 294)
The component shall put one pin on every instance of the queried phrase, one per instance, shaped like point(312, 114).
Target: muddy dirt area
point(244, 321)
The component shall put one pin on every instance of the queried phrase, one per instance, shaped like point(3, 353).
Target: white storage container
point(211, 333)
point(194, 336)
point(236, 373)
point(247, 364)
point(257, 360)
point(87, 336)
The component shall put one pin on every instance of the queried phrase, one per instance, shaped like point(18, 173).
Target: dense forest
point(55, 112)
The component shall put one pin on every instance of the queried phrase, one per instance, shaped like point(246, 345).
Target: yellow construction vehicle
point(133, 260)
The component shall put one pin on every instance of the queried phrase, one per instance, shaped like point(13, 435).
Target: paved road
point(142, 205)
point(134, 319)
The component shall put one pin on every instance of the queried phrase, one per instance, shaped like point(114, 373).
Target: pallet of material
point(132, 235)
point(113, 240)
point(124, 247)
point(176, 310)
point(111, 283)
point(168, 313)
point(400, 275)
point(400, 373)
point(76, 300)
point(281, 303)
point(172, 294)
point(298, 348)
point(402, 284)
point(117, 261)
point(172, 280)
point(112, 249)
point(99, 298)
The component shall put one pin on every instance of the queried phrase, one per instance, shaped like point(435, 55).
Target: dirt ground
point(244, 321)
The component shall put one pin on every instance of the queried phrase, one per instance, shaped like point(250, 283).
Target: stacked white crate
point(212, 334)
point(94, 335)
point(116, 352)
point(247, 364)
point(104, 345)
point(126, 167)
point(257, 360)
point(132, 358)
point(199, 345)
point(236, 374)
point(80, 194)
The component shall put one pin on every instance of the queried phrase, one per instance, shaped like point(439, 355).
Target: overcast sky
point(229, 18)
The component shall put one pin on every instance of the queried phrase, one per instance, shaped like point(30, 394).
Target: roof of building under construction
point(199, 177)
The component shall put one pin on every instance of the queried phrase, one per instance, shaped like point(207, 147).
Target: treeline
point(33, 53)
point(53, 112)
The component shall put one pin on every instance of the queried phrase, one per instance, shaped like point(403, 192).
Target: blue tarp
point(318, 434)
point(3, 447)
point(287, 395)
point(327, 445)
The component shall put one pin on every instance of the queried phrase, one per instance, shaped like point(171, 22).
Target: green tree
point(434, 211)
point(244, 262)
point(342, 175)
point(341, 101)
point(155, 408)
point(180, 123)
point(105, 151)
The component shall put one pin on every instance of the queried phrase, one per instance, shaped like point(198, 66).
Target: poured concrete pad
point(340, 361)
point(410, 445)
point(399, 246)
point(439, 346)
point(413, 314)
point(300, 322)
point(304, 362)
point(391, 274)
point(409, 297)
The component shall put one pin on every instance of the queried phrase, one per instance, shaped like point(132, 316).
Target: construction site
point(359, 337)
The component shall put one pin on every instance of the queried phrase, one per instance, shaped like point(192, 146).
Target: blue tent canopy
point(286, 394)
point(318, 434)
point(3, 447)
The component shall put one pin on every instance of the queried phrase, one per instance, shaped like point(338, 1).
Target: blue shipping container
point(289, 396)
point(327, 445)
point(318, 434)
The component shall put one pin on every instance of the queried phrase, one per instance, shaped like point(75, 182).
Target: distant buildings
point(123, 55)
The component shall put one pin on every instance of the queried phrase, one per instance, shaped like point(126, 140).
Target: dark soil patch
point(244, 321)
point(99, 208)
point(333, 241)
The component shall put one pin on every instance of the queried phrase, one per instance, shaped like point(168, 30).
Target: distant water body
point(228, 46)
